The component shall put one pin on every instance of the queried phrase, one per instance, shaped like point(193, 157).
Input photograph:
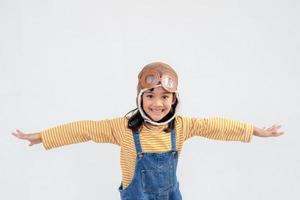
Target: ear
point(174, 99)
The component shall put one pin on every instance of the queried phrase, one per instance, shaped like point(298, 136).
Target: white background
point(63, 61)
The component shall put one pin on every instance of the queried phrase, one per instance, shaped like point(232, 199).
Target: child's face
point(157, 103)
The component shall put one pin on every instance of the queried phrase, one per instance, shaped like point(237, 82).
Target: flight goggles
point(152, 78)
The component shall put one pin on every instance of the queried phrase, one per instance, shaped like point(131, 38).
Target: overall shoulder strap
point(136, 137)
point(173, 140)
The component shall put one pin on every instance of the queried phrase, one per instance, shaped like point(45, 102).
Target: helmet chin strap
point(148, 119)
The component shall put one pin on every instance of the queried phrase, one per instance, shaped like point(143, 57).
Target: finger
point(17, 135)
point(278, 134)
point(20, 132)
point(273, 126)
point(278, 126)
point(20, 135)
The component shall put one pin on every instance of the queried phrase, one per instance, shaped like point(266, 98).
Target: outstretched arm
point(102, 131)
point(224, 129)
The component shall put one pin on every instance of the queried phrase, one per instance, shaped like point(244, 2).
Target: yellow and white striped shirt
point(153, 138)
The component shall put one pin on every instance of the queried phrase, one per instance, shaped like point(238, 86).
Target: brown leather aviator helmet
point(154, 75)
point(158, 73)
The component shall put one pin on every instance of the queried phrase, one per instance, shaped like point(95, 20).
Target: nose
point(157, 103)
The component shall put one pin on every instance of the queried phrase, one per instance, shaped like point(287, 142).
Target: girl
point(150, 136)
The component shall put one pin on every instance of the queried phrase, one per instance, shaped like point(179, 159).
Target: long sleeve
point(103, 131)
point(217, 128)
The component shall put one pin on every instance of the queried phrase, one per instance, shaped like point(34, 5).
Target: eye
point(165, 97)
point(149, 96)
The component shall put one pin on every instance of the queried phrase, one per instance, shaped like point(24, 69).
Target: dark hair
point(136, 120)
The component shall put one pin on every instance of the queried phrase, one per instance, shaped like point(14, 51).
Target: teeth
point(156, 111)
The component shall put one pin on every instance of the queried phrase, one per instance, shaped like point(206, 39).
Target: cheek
point(169, 105)
point(171, 101)
point(145, 103)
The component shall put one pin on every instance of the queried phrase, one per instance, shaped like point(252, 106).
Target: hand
point(272, 131)
point(34, 138)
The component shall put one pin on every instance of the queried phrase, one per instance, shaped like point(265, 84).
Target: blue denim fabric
point(155, 174)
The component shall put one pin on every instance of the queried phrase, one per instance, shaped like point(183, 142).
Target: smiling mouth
point(157, 111)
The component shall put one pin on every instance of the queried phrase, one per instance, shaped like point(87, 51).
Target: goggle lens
point(168, 82)
point(150, 79)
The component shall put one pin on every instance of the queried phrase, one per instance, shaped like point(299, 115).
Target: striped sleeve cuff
point(45, 145)
point(248, 133)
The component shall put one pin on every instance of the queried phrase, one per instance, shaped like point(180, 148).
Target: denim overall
point(155, 174)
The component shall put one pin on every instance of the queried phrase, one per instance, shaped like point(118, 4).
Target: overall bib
point(155, 174)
